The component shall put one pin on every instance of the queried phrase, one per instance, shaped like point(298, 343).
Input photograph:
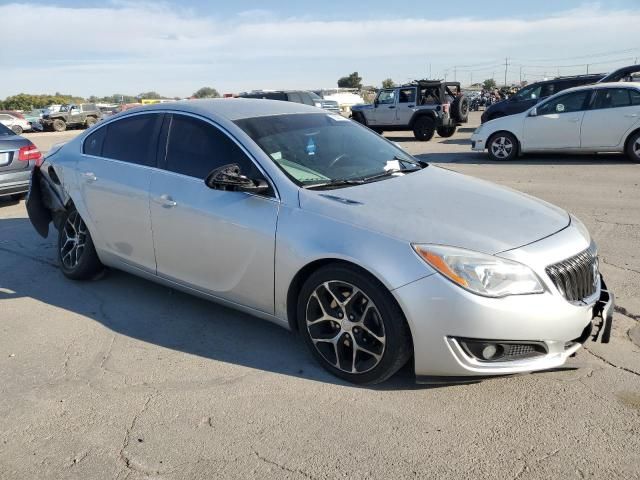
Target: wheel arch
point(519, 144)
point(628, 138)
point(306, 271)
point(419, 114)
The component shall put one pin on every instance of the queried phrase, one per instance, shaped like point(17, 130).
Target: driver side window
point(387, 97)
point(571, 102)
point(195, 148)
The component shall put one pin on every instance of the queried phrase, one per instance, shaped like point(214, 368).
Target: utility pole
point(430, 72)
point(470, 78)
point(506, 66)
point(587, 69)
point(455, 73)
point(520, 74)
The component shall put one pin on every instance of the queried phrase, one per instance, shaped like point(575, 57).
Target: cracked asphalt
point(121, 378)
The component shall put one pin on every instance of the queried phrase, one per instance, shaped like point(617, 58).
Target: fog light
point(489, 351)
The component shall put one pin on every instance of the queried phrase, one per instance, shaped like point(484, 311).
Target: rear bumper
point(12, 183)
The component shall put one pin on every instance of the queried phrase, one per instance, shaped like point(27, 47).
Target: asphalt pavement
point(122, 378)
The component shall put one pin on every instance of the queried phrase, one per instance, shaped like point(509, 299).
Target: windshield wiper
point(339, 182)
point(389, 173)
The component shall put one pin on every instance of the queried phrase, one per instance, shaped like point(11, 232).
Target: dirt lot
point(121, 378)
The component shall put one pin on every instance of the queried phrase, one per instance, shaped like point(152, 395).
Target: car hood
point(438, 206)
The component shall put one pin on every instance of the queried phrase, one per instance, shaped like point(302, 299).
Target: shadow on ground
point(478, 158)
point(152, 313)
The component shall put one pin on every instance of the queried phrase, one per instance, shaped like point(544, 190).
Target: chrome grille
point(576, 277)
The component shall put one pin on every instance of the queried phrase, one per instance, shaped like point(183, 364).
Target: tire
point(374, 323)
point(18, 196)
point(633, 147)
point(502, 147)
point(460, 109)
point(76, 252)
point(424, 129)
point(90, 121)
point(359, 117)
point(17, 129)
point(59, 125)
point(379, 131)
point(446, 132)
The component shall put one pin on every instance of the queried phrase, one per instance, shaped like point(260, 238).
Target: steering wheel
point(339, 158)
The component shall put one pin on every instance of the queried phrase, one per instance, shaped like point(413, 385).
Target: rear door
point(114, 173)
point(219, 242)
point(406, 105)
point(614, 111)
point(557, 123)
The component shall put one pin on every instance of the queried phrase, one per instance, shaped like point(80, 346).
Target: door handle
point(574, 120)
point(410, 106)
point(166, 201)
point(392, 106)
point(632, 115)
point(90, 176)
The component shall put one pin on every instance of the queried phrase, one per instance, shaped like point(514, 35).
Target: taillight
point(445, 107)
point(30, 152)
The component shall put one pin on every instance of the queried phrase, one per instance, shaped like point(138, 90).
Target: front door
point(218, 242)
point(114, 174)
point(614, 111)
point(384, 112)
point(557, 123)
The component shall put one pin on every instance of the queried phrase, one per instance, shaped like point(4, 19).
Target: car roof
point(232, 108)
point(603, 85)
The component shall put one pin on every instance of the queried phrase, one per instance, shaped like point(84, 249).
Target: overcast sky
point(175, 47)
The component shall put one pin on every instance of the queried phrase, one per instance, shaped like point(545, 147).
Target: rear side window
point(306, 99)
point(612, 98)
point(294, 97)
point(549, 89)
point(93, 143)
point(132, 139)
point(635, 97)
point(195, 148)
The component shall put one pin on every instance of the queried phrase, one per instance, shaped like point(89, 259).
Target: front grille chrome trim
point(577, 277)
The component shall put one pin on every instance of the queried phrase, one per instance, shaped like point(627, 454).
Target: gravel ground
point(121, 378)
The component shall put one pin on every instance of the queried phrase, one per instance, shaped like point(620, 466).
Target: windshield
point(319, 148)
point(315, 96)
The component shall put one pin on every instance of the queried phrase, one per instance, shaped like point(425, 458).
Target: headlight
point(478, 130)
point(479, 273)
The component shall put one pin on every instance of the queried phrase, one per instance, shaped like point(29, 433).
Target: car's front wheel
point(352, 325)
point(59, 125)
point(17, 129)
point(77, 255)
point(502, 146)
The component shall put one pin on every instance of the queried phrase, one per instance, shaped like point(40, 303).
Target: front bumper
point(440, 314)
point(478, 143)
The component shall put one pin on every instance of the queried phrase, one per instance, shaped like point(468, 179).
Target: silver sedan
point(316, 223)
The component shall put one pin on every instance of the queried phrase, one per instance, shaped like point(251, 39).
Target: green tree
point(489, 84)
point(206, 92)
point(388, 83)
point(27, 101)
point(150, 95)
point(350, 81)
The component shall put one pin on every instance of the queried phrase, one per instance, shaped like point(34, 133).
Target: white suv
point(604, 117)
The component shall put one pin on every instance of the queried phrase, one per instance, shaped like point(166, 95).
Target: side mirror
point(533, 112)
point(230, 178)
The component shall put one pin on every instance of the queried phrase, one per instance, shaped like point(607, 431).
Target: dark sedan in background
point(18, 156)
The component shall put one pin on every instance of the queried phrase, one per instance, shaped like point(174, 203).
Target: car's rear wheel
point(17, 129)
point(352, 325)
point(359, 117)
point(446, 132)
point(77, 255)
point(502, 146)
point(633, 147)
point(59, 125)
point(90, 121)
point(424, 129)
